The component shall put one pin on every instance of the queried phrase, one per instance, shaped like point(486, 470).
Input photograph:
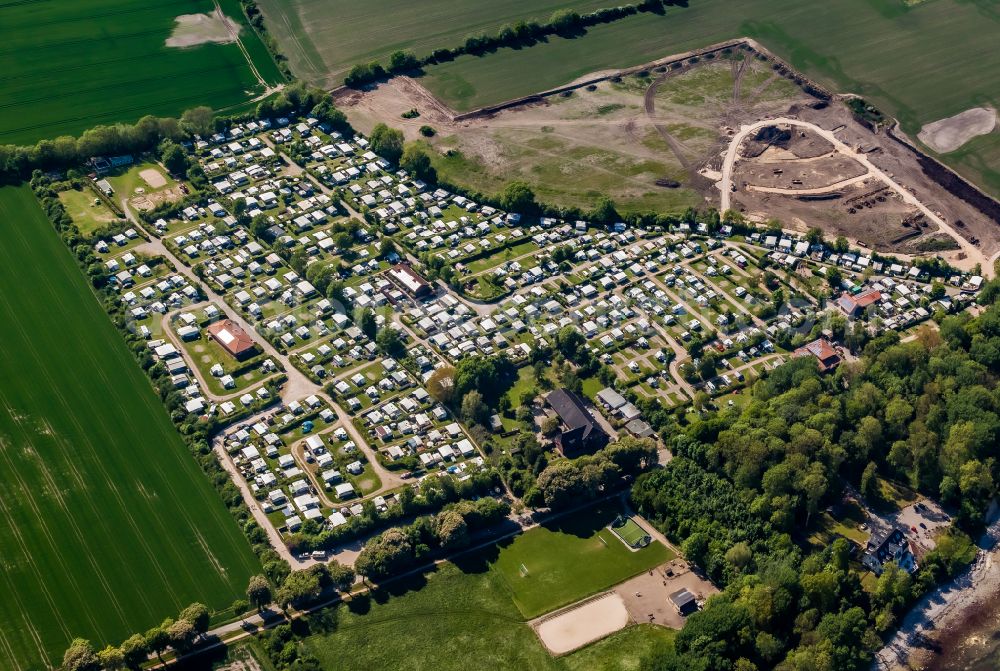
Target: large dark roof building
point(580, 433)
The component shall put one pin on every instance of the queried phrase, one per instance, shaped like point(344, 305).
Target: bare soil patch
point(949, 134)
point(154, 178)
point(577, 626)
point(194, 29)
point(646, 595)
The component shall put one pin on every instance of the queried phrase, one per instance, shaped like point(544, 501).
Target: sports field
point(107, 524)
point(67, 65)
point(919, 63)
point(457, 618)
point(571, 558)
point(322, 39)
point(630, 532)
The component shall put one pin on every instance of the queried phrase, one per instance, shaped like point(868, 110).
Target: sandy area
point(153, 177)
point(942, 613)
point(646, 595)
point(580, 625)
point(949, 134)
point(194, 29)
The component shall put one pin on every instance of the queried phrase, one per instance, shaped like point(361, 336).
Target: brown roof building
point(855, 305)
point(579, 432)
point(233, 339)
point(826, 355)
point(410, 281)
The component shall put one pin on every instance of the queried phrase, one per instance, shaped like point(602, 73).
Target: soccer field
point(68, 65)
point(571, 558)
point(107, 524)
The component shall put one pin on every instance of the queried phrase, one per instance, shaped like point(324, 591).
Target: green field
point(107, 524)
point(919, 63)
point(324, 38)
point(459, 618)
point(569, 559)
point(88, 212)
point(68, 65)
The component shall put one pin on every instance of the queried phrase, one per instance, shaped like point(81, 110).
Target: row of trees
point(925, 413)
point(401, 548)
point(563, 23)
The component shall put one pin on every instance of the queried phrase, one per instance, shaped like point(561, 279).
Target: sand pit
point(949, 134)
point(153, 177)
point(194, 29)
point(579, 625)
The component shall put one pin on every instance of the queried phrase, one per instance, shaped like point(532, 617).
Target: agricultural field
point(106, 522)
point(322, 39)
point(69, 65)
point(938, 62)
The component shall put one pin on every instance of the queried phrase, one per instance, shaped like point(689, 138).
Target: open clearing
point(324, 38)
point(107, 523)
point(580, 625)
point(620, 139)
point(949, 134)
point(68, 65)
point(939, 60)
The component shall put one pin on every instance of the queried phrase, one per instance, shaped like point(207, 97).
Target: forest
point(924, 413)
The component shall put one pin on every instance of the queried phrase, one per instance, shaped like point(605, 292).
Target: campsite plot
point(106, 522)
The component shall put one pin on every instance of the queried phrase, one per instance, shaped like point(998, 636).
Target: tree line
point(562, 23)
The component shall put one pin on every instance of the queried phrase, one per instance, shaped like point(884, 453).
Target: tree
point(550, 426)
point(259, 592)
point(390, 341)
point(739, 555)
point(605, 211)
point(197, 614)
point(387, 142)
point(402, 61)
point(416, 162)
point(834, 278)
point(198, 121)
point(240, 606)
point(174, 157)
point(367, 323)
point(441, 384)
point(841, 245)
point(80, 656)
point(386, 554)
point(134, 651)
point(570, 342)
point(451, 529)
point(474, 409)
point(157, 639)
point(111, 658)
point(519, 198)
point(299, 588)
point(181, 635)
point(814, 236)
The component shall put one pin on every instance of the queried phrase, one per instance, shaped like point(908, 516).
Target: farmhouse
point(410, 281)
point(232, 338)
point(579, 432)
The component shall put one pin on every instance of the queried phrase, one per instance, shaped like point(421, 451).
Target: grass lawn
point(938, 59)
point(86, 209)
point(129, 180)
point(458, 618)
point(71, 64)
point(107, 524)
point(569, 559)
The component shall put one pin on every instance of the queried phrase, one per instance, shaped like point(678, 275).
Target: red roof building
point(826, 355)
point(855, 305)
point(233, 339)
